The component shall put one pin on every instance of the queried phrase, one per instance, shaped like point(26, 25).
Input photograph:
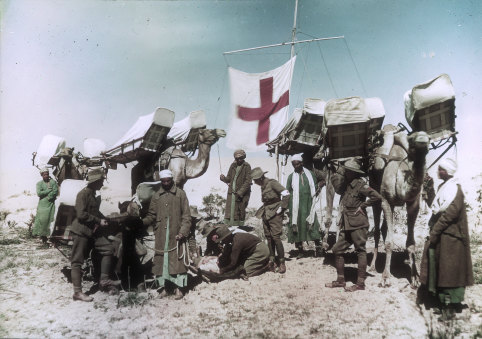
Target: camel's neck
point(416, 175)
point(197, 167)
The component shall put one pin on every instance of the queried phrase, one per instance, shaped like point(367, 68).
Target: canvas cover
point(376, 112)
point(180, 129)
point(302, 130)
point(49, 146)
point(349, 122)
point(434, 91)
point(186, 131)
point(65, 208)
point(93, 147)
point(146, 190)
point(345, 111)
point(147, 135)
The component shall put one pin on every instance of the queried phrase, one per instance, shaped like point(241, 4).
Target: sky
point(88, 69)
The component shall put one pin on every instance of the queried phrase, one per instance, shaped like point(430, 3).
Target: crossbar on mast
point(284, 44)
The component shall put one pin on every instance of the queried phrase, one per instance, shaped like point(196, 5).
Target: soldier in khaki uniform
point(275, 200)
point(353, 221)
point(89, 230)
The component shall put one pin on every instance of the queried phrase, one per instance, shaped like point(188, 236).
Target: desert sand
point(36, 297)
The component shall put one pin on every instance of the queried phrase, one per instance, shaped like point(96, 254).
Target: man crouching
point(246, 250)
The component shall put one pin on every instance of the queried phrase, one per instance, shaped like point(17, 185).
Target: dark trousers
point(273, 228)
point(358, 238)
point(80, 251)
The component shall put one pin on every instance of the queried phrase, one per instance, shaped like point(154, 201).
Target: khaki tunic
point(242, 190)
point(168, 206)
point(353, 196)
point(88, 214)
point(450, 237)
point(271, 198)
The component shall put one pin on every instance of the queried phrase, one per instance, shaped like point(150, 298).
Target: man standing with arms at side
point(275, 200)
point(302, 187)
point(353, 222)
point(169, 210)
point(239, 189)
point(87, 233)
point(47, 190)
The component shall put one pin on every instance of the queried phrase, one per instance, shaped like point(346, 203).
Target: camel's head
point(418, 144)
point(210, 136)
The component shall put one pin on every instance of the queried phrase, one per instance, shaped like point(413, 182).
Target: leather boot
point(301, 252)
point(178, 295)
point(362, 268)
point(82, 297)
point(340, 272)
point(282, 268)
point(271, 266)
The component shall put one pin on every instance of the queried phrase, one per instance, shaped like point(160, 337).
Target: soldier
point(302, 186)
point(353, 221)
point(169, 209)
point(47, 190)
point(275, 200)
point(246, 250)
point(239, 189)
point(88, 230)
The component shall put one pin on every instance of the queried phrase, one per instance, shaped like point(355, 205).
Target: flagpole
point(293, 38)
point(284, 44)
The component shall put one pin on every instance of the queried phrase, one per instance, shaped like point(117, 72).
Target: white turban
point(165, 174)
point(449, 165)
point(296, 157)
point(44, 169)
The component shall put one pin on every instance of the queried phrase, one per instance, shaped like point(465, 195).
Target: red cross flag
point(259, 102)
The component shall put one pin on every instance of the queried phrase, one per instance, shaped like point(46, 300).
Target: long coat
point(168, 208)
point(47, 192)
point(450, 237)
point(304, 209)
point(242, 190)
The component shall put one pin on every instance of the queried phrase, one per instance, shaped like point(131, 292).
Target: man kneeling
point(247, 250)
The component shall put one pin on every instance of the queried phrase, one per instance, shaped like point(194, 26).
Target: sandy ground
point(36, 298)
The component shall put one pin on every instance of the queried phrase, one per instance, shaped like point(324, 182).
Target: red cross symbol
point(268, 108)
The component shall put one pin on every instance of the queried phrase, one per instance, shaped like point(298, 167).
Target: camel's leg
point(330, 196)
point(412, 213)
point(388, 216)
point(377, 211)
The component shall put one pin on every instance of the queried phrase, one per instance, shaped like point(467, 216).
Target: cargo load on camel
point(348, 124)
point(430, 107)
point(302, 132)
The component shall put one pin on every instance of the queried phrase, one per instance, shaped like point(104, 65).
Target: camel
point(399, 182)
point(174, 159)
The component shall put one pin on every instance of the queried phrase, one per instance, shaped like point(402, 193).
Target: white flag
point(259, 106)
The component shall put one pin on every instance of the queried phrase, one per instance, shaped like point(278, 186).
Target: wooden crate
point(436, 118)
point(308, 129)
point(347, 140)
